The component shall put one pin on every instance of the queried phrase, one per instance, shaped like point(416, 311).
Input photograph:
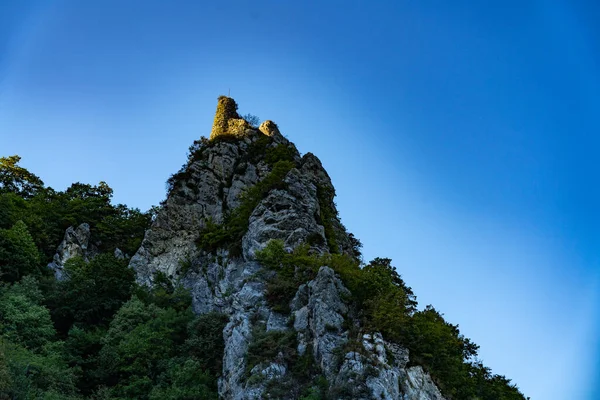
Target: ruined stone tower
point(227, 121)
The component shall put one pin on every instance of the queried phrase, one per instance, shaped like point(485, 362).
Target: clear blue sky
point(462, 137)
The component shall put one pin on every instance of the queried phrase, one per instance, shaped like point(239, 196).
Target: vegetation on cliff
point(98, 334)
point(382, 302)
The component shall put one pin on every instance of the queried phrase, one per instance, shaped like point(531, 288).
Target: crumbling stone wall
point(227, 121)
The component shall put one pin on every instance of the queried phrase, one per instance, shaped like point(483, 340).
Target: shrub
point(266, 346)
point(252, 120)
point(236, 222)
point(205, 341)
point(328, 216)
point(281, 152)
point(18, 253)
point(386, 304)
point(93, 292)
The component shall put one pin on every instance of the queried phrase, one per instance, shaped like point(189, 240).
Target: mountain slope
point(250, 228)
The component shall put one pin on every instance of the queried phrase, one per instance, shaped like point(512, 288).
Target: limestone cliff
point(239, 190)
point(76, 243)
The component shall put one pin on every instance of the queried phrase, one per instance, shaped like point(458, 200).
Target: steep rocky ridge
point(194, 242)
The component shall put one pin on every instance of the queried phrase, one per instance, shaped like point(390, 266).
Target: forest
point(97, 334)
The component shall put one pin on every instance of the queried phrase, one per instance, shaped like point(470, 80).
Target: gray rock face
point(417, 385)
point(374, 368)
point(212, 185)
point(319, 317)
point(288, 215)
point(206, 190)
point(76, 243)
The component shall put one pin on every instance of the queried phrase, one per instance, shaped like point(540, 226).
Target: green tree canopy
point(93, 292)
point(23, 319)
point(18, 254)
point(16, 179)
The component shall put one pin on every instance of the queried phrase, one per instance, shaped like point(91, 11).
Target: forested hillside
point(95, 334)
point(109, 331)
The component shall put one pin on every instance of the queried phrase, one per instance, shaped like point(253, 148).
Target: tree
point(251, 119)
point(184, 381)
point(23, 319)
point(443, 351)
point(382, 271)
point(93, 292)
point(36, 375)
point(16, 179)
point(140, 339)
point(18, 254)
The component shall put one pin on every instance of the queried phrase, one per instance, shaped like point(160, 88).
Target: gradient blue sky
point(462, 138)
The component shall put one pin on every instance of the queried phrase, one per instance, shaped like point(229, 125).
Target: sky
point(462, 138)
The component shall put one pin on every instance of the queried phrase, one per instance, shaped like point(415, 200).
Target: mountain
point(243, 284)
point(251, 229)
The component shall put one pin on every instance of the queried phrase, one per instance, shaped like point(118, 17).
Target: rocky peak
point(76, 243)
point(238, 191)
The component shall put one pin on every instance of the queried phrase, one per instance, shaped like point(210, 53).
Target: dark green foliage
point(155, 348)
point(34, 375)
point(16, 179)
point(265, 346)
point(123, 228)
point(74, 301)
point(491, 387)
point(184, 380)
point(258, 148)
point(328, 216)
point(281, 152)
point(164, 294)
point(18, 253)
point(5, 376)
point(304, 378)
point(82, 348)
point(48, 213)
point(236, 222)
point(280, 292)
point(107, 344)
point(439, 346)
point(280, 347)
point(315, 239)
point(135, 350)
point(224, 138)
point(12, 208)
point(151, 348)
point(205, 341)
point(32, 362)
point(177, 179)
point(293, 269)
point(318, 390)
point(386, 304)
point(23, 319)
point(385, 300)
point(214, 235)
point(356, 246)
point(184, 266)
